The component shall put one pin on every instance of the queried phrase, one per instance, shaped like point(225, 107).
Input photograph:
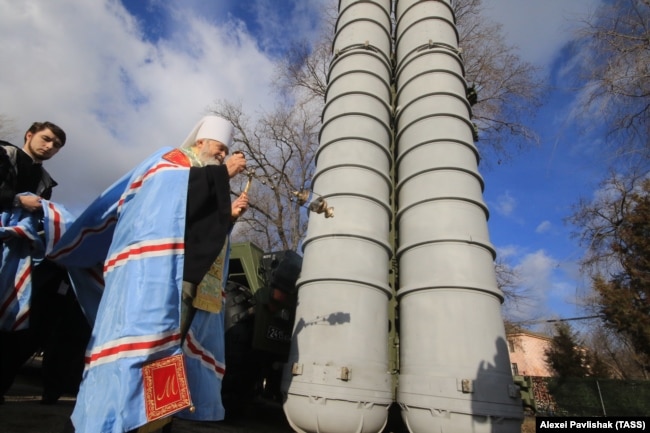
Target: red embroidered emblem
point(177, 157)
point(165, 387)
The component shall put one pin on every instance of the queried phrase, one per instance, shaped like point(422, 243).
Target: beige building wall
point(526, 350)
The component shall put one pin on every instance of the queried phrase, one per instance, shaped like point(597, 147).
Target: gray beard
point(207, 159)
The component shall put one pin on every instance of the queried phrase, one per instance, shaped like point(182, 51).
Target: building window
point(515, 369)
point(511, 346)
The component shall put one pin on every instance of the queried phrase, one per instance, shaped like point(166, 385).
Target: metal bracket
point(296, 369)
point(466, 386)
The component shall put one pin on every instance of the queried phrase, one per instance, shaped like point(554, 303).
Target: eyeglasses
point(55, 141)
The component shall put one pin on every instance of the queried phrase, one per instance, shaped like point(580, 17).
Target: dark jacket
point(19, 173)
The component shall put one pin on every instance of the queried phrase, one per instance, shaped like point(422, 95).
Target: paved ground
point(25, 414)
point(22, 412)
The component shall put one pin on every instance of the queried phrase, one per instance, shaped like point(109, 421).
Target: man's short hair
point(40, 126)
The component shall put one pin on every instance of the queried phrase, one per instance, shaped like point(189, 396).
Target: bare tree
point(304, 67)
point(615, 48)
point(280, 152)
point(622, 361)
point(507, 280)
point(517, 296)
point(598, 222)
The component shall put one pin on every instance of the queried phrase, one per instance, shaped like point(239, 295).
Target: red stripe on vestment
point(109, 222)
point(205, 358)
point(137, 184)
point(18, 285)
point(22, 278)
point(21, 232)
point(128, 347)
point(133, 253)
point(17, 231)
point(20, 320)
point(56, 223)
point(12, 297)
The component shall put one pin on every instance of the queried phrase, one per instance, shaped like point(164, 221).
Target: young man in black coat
point(21, 171)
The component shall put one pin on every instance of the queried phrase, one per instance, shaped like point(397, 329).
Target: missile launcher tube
point(337, 377)
point(454, 366)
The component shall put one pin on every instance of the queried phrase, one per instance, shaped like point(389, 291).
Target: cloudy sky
point(124, 78)
point(531, 197)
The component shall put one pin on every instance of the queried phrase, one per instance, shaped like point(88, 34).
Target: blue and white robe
point(135, 230)
point(22, 248)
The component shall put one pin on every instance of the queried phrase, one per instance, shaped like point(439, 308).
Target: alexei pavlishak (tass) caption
point(591, 424)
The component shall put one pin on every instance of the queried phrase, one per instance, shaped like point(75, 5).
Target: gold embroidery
point(208, 293)
point(170, 390)
point(165, 387)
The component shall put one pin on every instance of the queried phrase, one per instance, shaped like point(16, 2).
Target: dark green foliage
point(598, 368)
point(565, 356)
point(575, 397)
point(596, 397)
point(624, 297)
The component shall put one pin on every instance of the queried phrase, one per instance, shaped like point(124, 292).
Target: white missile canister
point(454, 366)
point(337, 378)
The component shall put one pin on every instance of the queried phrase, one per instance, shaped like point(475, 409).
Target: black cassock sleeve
point(207, 219)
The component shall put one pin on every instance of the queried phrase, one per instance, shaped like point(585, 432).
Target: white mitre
point(213, 128)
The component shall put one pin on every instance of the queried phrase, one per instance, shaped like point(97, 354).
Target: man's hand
point(239, 206)
point(236, 164)
point(30, 203)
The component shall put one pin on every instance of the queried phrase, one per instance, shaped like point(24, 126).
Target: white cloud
point(507, 252)
point(87, 67)
point(544, 227)
point(534, 273)
point(301, 18)
point(535, 270)
point(506, 204)
point(548, 285)
point(539, 28)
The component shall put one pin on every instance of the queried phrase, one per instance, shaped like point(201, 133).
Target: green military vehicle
point(260, 311)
